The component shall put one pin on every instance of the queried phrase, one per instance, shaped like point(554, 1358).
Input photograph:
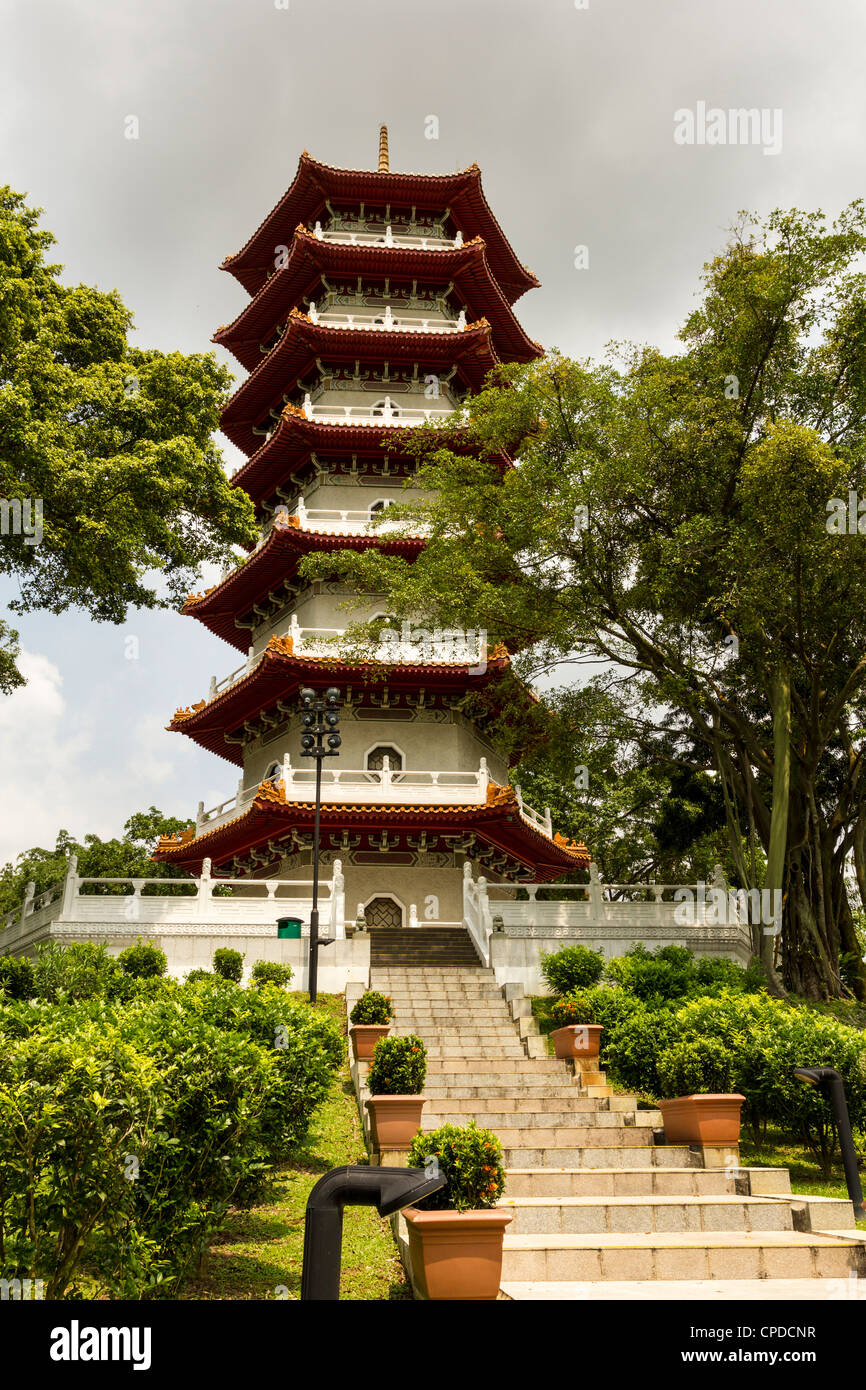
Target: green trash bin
point(289, 928)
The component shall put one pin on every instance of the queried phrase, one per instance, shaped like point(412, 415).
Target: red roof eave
point(315, 183)
point(498, 823)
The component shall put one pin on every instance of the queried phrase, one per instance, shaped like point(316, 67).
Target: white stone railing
point(446, 647)
point(385, 321)
point(328, 520)
point(385, 414)
point(675, 908)
point(387, 238)
point(179, 901)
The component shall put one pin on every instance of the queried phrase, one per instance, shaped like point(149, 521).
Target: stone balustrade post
point(596, 895)
point(338, 894)
point(70, 889)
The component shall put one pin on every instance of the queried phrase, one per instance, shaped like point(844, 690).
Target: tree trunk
point(774, 881)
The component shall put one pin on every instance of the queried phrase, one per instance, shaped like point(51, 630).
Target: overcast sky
point(568, 109)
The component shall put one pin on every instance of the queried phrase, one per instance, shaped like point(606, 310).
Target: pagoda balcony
point(387, 322)
point(331, 521)
point(387, 413)
point(446, 647)
point(417, 242)
point(369, 787)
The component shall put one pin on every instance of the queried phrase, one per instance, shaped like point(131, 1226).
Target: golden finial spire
point(383, 150)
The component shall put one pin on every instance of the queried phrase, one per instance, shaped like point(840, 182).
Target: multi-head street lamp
point(320, 717)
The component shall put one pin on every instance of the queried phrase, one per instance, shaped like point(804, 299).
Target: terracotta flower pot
point(364, 1039)
point(394, 1120)
point(457, 1254)
point(702, 1119)
point(578, 1040)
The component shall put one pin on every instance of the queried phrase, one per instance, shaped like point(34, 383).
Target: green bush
point(673, 972)
point(398, 1068)
point(199, 974)
point(78, 971)
point(372, 1007)
point(143, 961)
point(470, 1160)
point(632, 1046)
point(229, 964)
point(574, 967)
point(272, 972)
point(699, 1066)
point(600, 1004)
point(16, 978)
point(128, 1129)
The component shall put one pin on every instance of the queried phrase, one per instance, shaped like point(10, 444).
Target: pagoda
point(378, 301)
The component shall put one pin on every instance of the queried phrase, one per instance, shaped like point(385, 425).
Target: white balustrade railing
point(250, 902)
point(385, 414)
point(387, 322)
point(439, 647)
point(351, 521)
point(388, 238)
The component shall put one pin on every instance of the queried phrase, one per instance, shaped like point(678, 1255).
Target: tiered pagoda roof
point(439, 245)
point(317, 184)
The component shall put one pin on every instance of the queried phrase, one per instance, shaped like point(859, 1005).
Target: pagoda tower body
point(378, 301)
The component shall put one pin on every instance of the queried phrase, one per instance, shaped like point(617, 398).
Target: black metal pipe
point(832, 1087)
point(387, 1189)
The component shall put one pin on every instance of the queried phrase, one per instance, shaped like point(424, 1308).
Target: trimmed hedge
point(128, 1128)
point(574, 967)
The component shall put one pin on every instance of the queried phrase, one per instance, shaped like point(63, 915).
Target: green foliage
point(117, 442)
point(228, 963)
point(574, 967)
point(598, 1004)
point(16, 978)
point(702, 1065)
point(673, 972)
point(127, 1129)
point(372, 1007)
point(194, 975)
point(143, 961)
point(665, 503)
point(398, 1068)
point(470, 1159)
point(271, 972)
point(78, 971)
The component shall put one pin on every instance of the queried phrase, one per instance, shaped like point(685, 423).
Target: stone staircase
point(601, 1209)
point(421, 946)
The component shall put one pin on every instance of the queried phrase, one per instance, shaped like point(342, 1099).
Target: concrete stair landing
point(601, 1209)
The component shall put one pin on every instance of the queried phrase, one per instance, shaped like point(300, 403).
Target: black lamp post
point(832, 1088)
point(321, 720)
point(386, 1189)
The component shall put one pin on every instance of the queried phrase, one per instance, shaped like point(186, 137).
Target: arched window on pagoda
point(274, 773)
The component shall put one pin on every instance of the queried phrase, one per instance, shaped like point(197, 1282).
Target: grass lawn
point(259, 1254)
point(806, 1176)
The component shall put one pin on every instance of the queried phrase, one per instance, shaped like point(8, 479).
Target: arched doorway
point(383, 912)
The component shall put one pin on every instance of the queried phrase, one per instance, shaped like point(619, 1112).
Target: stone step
point(682, 1255)
point(505, 1068)
point(465, 1036)
point(647, 1182)
point(474, 1100)
point(559, 1136)
point(510, 1119)
point(684, 1290)
point(444, 1052)
point(644, 1216)
point(610, 1156)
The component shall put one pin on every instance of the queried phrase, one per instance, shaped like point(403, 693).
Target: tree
point(111, 488)
point(128, 857)
point(676, 518)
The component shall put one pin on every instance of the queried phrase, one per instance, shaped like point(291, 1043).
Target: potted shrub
point(700, 1105)
point(456, 1234)
point(396, 1079)
point(371, 1017)
point(573, 1037)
